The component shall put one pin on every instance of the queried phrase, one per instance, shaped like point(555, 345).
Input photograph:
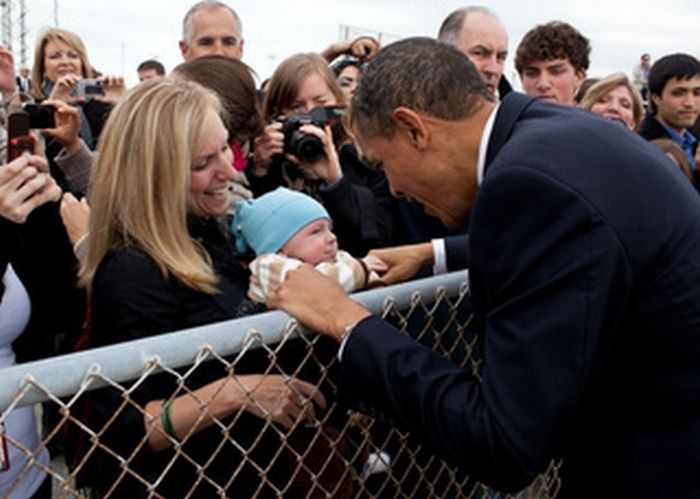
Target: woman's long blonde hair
point(140, 184)
point(39, 68)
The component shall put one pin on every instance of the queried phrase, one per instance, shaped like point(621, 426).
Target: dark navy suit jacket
point(585, 274)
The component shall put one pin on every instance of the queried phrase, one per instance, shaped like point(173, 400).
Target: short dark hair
point(338, 66)
point(152, 64)
point(554, 40)
point(422, 74)
point(681, 66)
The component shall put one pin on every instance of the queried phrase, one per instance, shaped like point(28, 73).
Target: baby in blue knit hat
point(286, 228)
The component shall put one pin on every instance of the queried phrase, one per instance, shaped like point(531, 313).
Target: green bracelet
point(166, 421)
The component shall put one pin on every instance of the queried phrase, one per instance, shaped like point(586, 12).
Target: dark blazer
point(23, 84)
point(585, 264)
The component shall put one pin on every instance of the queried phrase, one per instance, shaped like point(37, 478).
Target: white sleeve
point(439, 256)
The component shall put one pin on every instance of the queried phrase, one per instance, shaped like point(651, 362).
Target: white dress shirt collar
point(484, 144)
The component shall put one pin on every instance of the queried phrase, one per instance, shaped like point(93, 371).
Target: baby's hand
point(375, 264)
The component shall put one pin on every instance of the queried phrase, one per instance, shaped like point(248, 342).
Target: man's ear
point(183, 49)
point(412, 124)
point(655, 98)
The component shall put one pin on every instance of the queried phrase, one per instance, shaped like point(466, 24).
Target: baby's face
point(313, 244)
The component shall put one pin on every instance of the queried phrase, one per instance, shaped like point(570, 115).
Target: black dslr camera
point(307, 148)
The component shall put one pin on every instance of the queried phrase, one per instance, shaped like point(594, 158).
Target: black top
point(132, 300)
point(43, 258)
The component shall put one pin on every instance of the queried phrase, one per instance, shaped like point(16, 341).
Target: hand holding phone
point(66, 126)
point(25, 184)
point(40, 115)
point(19, 142)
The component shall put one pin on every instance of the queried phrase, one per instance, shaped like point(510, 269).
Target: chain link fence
point(96, 425)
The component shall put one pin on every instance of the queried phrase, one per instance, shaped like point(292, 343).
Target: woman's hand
point(76, 217)
point(25, 184)
point(327, 168)
point(114, 89)
point(63, 87)
point(284, 400)
point(266, 145)
point(67, 126)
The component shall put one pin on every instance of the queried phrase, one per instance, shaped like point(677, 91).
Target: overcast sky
point(119, 35)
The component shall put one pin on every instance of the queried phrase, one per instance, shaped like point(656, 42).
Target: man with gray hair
point(478, 33)
point(211, 27)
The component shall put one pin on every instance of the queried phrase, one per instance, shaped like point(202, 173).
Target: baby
point(286, 228)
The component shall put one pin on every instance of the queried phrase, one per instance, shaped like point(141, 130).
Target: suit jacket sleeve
point(548, 278)
point(457, 252)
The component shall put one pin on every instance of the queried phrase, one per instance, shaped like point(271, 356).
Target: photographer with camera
point(62, 72)
point(307, 148)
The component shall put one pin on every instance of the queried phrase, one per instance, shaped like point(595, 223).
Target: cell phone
point(18, 140)
point(40, 116)
point(88, 88)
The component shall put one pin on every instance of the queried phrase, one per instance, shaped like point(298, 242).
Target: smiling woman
point(159, 261)
point(615, 98)
point(58, 53)
point(60, 63)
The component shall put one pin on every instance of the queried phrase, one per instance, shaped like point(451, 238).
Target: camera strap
point(4, 455)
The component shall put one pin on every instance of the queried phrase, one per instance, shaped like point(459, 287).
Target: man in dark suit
point(24, 82)
point(674, 102)
point(585, 262)
point(478, 33)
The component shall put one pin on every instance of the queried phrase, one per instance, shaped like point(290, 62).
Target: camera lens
point(308, 148)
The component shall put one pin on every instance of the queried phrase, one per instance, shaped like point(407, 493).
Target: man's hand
point(403, 262)
point(317, 302)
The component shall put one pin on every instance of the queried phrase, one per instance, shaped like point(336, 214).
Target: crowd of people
point(198, 196)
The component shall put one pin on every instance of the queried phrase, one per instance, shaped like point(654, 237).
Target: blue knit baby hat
point(266, 223)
